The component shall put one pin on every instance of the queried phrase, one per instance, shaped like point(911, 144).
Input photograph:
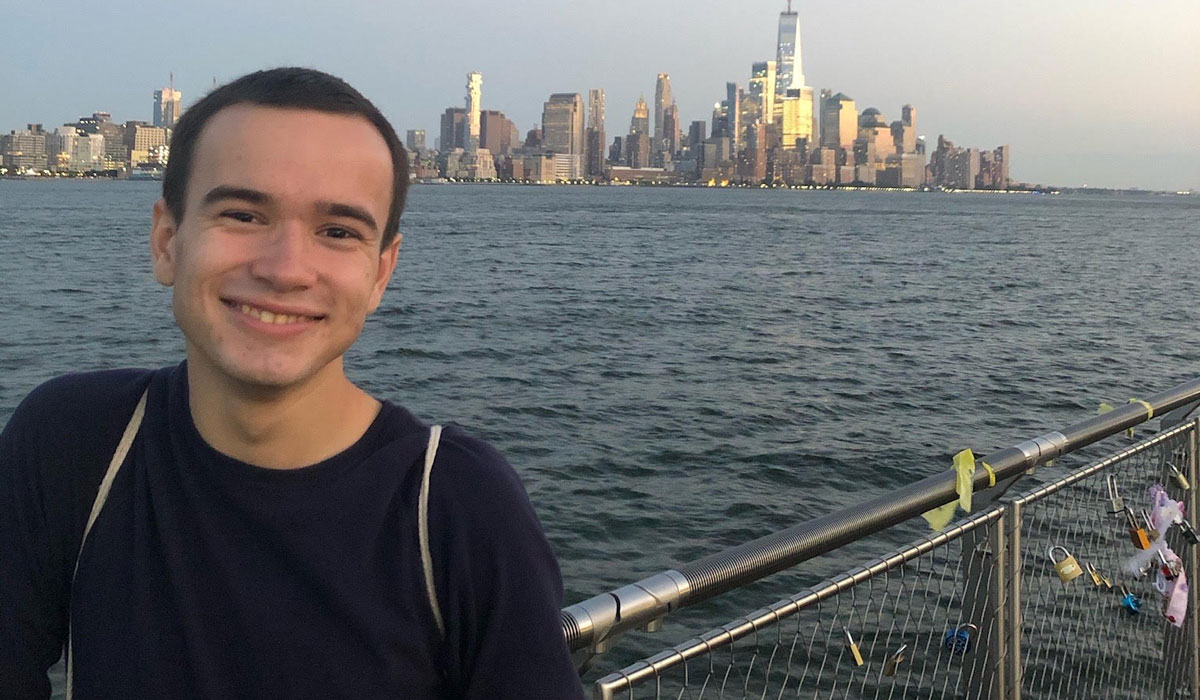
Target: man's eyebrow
point(350, 211)
point(246, 194)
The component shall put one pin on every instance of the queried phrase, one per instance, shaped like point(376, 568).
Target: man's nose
point(286, 259)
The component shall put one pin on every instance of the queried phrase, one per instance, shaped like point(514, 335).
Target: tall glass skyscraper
point(788, 66)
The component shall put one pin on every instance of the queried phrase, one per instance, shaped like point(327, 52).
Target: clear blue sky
point(1102, 92)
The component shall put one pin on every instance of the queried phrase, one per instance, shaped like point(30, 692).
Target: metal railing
point(979, 565)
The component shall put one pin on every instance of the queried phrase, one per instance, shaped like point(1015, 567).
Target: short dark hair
point(287, 88)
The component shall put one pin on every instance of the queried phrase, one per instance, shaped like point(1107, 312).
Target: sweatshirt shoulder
point(72, 401)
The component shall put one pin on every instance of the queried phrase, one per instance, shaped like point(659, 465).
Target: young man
point(250, 524)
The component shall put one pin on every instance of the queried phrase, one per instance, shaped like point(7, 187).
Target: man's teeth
point(270, 317)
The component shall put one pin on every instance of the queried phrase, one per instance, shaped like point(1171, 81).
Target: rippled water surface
point(677, 370)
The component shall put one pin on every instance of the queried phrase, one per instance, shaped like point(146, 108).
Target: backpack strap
point(435, 434)
point(114, 466)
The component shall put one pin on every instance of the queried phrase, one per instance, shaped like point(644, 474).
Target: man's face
point(277, 263)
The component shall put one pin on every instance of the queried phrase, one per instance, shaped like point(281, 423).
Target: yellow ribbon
point(1149, 413)
point(964, 484)
point(991, 474)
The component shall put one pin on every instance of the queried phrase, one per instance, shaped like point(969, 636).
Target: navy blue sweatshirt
point(207, 577)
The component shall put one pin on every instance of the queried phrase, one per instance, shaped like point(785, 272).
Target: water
point(677, 370)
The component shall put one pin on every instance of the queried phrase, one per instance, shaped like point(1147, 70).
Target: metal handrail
point(593, 623)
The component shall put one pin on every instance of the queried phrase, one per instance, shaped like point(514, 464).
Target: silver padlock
point(1114, 495)
point(894, 661)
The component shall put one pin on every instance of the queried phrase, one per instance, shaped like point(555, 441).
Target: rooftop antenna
point(171, 85)
point(789, 7)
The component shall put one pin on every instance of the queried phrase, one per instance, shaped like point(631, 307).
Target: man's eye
point(244, 217)
point(340, 233)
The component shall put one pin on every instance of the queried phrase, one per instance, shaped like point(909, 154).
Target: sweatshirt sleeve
point(33, 594)
point(502, 592)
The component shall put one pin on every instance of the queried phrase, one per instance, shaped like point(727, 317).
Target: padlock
point(1137, 534)
point(1151, 531)
point(1129, 601)
point(858, 659)
point(1114, 495)
point(1189, 532)
point(1096, 577)
point(1170, 568)
point(1067, 568)
point(1180, 480)
point(894, 661)
point(958, 640)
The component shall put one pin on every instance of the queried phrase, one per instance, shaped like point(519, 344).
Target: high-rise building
point(101, 123)
point(596, 108)
point(662, 100)
point(839, 121)
point(452, 131)
point(640, 123)
point(562, 123)
point(874, 127)
point(696, 133)
point(414, 140)
point(595, 139)
point(796, 120)
point(762, 89)
point(474, 94)
point(168, 105)
point(496, 132)
point(25, 150)
point(671, 130)
point(733, 115)
point(788, 66)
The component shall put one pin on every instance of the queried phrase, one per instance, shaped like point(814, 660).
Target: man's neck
point(279, 428)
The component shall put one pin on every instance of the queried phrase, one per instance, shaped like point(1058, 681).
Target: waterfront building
point(146, 144)
point(752, 163)
point(533, 140)
point(562, 123)
point(796, 118)
point(696, 133)
point(24, 150)
point(672, 131)
point(414, 140)
point(762, 89)
point(640, 122)
point(616, 152)
point(115, 152)
point(733, 115)
point(471, 116)
point(497, 133)
point(452, 130)
point(168, 105)
point(902, 170)
point(595, 139)
point(788, 65)
point(662, 100)
point(639, 150)
point(967, 168)
point(839, 121)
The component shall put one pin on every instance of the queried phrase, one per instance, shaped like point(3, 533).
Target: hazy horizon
point(1102, 93)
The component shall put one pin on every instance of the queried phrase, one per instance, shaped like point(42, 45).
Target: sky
point(1098, 92)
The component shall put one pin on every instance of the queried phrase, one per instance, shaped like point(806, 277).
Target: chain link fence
point(976, 611)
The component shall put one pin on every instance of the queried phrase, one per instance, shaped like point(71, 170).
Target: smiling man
point(250, 523)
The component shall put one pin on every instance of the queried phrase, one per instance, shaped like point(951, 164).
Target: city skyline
point(1060, 85)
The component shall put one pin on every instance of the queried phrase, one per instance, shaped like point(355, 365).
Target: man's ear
point(387, 263)
point(162, 243)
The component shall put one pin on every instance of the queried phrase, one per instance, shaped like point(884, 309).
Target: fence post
point(1193, 502)
point(984, 603)
point(1014, 627)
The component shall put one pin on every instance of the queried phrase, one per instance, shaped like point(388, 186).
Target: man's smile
point(275, 315)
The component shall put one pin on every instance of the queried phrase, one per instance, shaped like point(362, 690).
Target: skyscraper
point(596, 108)
point(796, 117)
point(414, 140)
point(662, 100)
point(788, 66)
point(593, 165)
point(733, 115)
point(839, 121)
point(167, 105)
point(762, 89)
point(640, 123)
point(562, 123)
point(474, 93)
